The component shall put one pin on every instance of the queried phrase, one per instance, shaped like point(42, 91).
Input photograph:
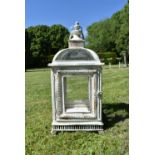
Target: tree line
point(42, 42)
point(110, 35)
point(107, 37)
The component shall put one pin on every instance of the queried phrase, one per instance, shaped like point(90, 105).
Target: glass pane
point(77, 94)
point(75, 54)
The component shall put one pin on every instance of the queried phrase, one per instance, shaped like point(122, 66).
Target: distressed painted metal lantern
point(76, 87)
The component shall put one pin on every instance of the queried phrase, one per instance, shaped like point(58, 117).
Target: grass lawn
point(114, 140)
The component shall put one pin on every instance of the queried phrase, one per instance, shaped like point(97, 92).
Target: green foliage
point(58, 37)
point(114, 140)
point(107, 55)
point(41, 42)
point(110, 34)
point(122, 40)
point(99, 36)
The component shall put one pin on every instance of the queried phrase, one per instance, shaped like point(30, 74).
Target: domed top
point(76, 57)
point(76, 54)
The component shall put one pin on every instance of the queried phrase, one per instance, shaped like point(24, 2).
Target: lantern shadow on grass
point(113, 113)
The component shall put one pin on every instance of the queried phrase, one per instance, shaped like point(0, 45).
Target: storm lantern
point(76, 87)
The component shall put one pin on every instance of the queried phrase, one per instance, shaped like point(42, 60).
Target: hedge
point(104, 56)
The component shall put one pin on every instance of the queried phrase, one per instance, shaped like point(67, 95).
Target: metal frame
point(67, 62)
point(66, 121)
point(60, 93)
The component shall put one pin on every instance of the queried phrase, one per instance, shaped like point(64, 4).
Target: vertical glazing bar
point(63, 94)
point(53, 94)
point(100, 89)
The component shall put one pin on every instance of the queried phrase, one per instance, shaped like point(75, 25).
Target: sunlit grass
point(114, 140)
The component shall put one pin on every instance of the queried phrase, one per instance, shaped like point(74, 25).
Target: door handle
point(99, 94)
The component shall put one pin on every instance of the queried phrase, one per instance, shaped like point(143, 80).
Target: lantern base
point(78, 127)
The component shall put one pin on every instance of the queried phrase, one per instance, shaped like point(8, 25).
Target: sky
point(66, 12)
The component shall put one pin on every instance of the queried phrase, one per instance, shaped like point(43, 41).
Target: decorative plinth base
point(57, 128)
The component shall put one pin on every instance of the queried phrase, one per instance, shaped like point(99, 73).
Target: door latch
point(99, 94)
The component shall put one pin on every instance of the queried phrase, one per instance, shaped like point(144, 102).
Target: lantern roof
point(76, 54)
